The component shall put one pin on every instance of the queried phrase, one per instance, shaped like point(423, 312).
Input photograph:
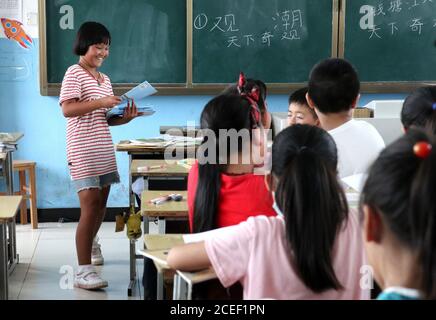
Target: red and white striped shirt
point(90, 150)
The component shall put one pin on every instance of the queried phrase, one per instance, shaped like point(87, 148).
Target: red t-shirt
point(240, 197)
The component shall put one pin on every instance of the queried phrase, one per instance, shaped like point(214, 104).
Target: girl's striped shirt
point(90, 150)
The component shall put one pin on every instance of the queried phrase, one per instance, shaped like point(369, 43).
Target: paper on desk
point(356, 181)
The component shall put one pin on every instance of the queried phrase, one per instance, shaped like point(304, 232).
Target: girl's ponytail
point(401, 186)
point(312, 201)
point(206, 197)
point(422, 213)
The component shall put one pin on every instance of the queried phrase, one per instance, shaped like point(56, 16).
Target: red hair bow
point(252, 97)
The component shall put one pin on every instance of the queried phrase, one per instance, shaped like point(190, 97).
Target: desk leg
point(3, 263)
point(132, 243)
point(9, 173)
point(182, 291)
point(132, 283)
point(131, 195)
point(13, 258)
point(161, 225)
point(160, 286)
point(176, 287)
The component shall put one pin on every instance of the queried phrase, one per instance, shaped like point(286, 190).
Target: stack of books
point(8, 141)
point(136, 94)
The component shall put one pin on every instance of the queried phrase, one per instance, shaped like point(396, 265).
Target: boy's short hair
point(88, 34)
point(298, 96)
point(333, 85)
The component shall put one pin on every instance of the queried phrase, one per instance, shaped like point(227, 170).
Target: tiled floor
point(47, 256)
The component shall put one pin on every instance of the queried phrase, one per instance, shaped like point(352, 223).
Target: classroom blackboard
point(277, 41)
point(148, 38)
point(194, 45)
point(391, 43)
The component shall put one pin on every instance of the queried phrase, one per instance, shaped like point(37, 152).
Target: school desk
point(8, 257)
point(136, 151)
point(152, 168)
point(168, 210)
point(157, 248)
point(10, 141)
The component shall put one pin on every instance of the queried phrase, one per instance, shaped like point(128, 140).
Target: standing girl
point(86, 95)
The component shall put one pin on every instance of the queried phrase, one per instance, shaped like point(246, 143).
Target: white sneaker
point(96, 256)
point(89, 279)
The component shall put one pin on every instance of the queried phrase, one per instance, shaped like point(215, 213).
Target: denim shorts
point(98, 182)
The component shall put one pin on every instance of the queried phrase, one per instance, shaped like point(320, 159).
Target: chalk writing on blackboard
point(285, 25)
point(389, 17)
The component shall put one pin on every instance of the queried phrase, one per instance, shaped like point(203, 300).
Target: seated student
point(399, 217)
point(419, 109)
point(333, 93)
point(299, 111)
point(247, 86)
point(222, 192)
point(313, 249)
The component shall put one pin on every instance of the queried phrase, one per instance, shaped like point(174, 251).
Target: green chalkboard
point(277, 41)
point(390, 41)
point(193, 46)
point(148, 38)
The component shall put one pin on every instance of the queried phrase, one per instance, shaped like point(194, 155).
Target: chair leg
point(33, 208)
point(23, 206)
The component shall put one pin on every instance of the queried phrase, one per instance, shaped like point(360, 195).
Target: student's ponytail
point(312, 201)
point(423, 209)
point(207, 197)
point(401, 187)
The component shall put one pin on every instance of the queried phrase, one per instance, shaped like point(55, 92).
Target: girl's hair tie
point(422, 149)
point(434, 106)
point(241, 82)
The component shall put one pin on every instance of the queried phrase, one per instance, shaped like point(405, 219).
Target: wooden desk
point(157, 247)
point(172, 152)
point(10, 139)
point(170, 168)
point(8, 210)
point(169, 209)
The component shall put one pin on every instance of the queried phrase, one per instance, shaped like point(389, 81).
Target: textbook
point(138, 93)
point(118, 111)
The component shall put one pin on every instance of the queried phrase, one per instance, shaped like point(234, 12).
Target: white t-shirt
point(358, 144)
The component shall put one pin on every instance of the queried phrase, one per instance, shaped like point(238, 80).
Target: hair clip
point(241, 82)
point(434, 106)
point(255, 94)
point(422, 149)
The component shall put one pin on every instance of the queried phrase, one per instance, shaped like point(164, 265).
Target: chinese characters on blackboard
point(389, 17)
point(285, 25)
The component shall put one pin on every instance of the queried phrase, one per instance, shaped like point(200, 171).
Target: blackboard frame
point(188, 88)
point(379, 86)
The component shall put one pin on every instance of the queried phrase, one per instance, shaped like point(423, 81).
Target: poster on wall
point(11, 9)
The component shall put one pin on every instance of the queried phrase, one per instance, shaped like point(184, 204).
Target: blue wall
point(23, 109)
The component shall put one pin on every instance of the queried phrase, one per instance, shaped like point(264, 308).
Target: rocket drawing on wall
point(14, 31)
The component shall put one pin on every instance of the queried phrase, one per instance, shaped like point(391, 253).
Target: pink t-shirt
point(254, 253)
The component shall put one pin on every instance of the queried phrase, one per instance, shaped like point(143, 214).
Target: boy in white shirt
point(333, 93)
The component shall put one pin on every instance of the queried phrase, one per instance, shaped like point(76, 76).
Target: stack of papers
point(118, 111)
point(138, 93)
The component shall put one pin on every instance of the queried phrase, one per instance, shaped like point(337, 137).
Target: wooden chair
point(27, 190)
